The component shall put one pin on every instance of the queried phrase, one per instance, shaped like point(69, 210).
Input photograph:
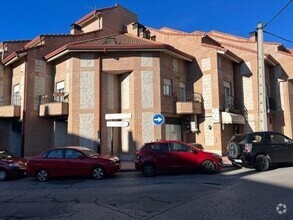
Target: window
point(59, 95)
point(228, 95)
point(181, 148)
point(72, 154)
point(256, 139)
point(54, 154)
point(164, 147)
point(278, 139)
point(182, 92)
point(168, 87)
point(15, 99)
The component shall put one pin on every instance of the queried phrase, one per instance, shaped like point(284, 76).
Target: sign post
point(112, 122)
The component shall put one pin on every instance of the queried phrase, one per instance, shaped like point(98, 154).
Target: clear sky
point(25, 19)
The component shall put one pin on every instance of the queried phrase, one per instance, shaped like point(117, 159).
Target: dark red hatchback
point(175, 156)
point(72, 161)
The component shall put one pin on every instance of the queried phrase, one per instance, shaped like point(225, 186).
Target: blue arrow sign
point(158, 119)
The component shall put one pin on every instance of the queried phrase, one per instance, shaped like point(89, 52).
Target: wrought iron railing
point(54, 97)
point(189, 96)
point(229, 102)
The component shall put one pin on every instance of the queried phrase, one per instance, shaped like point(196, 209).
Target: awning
point(232, 118)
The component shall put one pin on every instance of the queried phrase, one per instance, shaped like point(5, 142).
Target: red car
point(11, 166)
point(72, 161)
point(175, 156)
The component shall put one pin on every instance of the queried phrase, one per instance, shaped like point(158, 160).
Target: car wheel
point(98, 173)
point(148, 170)
point(208, 167)
point(234, 150)
point(262, 163)
point(3, 175)
point(42, 175)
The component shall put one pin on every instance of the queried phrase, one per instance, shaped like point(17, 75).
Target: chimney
point(253, 36)
point(75, 29)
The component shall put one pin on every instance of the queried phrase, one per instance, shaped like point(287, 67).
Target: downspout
point(100, 106)
point(24, 108)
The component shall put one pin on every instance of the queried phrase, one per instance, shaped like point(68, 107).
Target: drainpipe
point(100, 106)
point(24, 108)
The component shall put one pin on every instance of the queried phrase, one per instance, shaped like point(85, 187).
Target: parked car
point(175, 156)
point(260, 149)
point(11, 166)
point(72, 161)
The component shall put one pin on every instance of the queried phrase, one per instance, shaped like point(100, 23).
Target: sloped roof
point(117, 42)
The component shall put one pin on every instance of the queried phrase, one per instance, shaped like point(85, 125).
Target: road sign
point(158, 119)
point(116, 116)
point(117, 124)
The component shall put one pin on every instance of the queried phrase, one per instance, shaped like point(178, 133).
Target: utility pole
point(262, 107)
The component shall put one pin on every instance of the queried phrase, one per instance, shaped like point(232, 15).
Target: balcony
point(54, 105)
point(189, 103)
point(9, 111)
point(13, 110)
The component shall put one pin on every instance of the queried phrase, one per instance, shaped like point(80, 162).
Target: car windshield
point(5, 155)
point(90, 153)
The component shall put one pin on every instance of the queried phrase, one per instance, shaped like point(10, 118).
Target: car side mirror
point(195, 152)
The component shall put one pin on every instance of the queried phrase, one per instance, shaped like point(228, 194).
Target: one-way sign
point(158, 119)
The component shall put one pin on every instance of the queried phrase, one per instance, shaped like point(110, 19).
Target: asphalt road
point(230, 194)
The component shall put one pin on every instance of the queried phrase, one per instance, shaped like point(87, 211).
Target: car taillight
point(248, 147)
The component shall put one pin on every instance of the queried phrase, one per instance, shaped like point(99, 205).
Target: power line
point(282, 38)
point(278, 13)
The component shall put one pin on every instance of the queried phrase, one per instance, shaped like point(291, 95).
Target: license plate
point(238, 161)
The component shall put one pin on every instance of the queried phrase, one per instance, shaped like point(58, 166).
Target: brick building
point(56, 89)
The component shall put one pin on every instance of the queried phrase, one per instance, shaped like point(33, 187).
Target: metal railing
point(15, 100)
point(189, 97)
point(54, 97)
point(229, 102)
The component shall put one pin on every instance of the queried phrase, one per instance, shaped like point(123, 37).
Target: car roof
point(166, 141)
point(71, 147)
point(259, 132)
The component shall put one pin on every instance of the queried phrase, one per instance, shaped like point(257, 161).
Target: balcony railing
point(54, 105)
point(189, 103)
point(55, 97)
point(15, 100)
point(189, 96)
point(229, 102)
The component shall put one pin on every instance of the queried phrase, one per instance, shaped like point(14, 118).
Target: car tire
point(207, 167)
point(42, 175)
point(98, 173)
point(262, 163)
point(148, 170)
point(234, 150)
point(3, 175)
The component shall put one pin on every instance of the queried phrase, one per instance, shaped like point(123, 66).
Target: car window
point(54, 154)
point(181, 148)
point(72, 154)
point(162, 147)
point(256, 138)
point(278, 139)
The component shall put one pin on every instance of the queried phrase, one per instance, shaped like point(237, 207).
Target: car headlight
point(14, 165)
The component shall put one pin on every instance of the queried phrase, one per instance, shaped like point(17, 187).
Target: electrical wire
point(282, 38)
point(278, 13)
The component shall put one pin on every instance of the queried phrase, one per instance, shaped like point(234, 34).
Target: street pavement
point(231, 194)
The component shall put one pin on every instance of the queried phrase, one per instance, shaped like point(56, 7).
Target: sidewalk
point(128, 166)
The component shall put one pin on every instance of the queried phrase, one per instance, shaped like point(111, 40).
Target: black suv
point(260, 149)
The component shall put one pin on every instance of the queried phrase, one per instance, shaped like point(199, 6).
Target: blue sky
point(27, 19)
